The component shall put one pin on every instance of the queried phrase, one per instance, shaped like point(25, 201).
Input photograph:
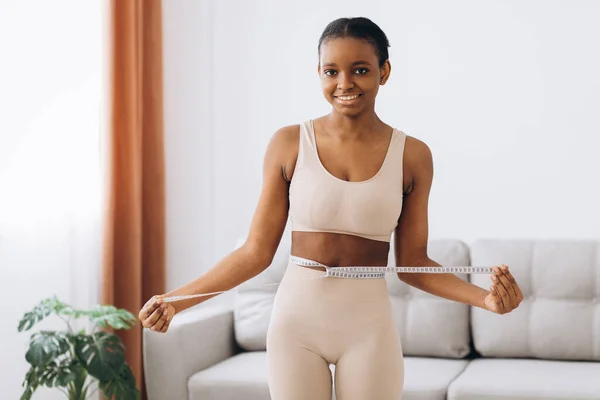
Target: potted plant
point(73, 361)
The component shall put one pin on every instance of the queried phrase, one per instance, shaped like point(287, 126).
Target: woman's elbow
point(409, 278)
point(258, 256)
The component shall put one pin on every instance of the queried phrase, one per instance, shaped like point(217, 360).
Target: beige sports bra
point(321, 202)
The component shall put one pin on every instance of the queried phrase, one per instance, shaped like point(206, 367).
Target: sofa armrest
point(196, 339)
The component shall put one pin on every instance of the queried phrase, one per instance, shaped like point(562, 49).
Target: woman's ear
point(385, 72)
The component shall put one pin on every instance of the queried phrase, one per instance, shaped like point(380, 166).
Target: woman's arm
point(412, 233)
point(266, 229)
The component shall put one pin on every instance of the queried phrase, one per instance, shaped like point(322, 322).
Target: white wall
point(189, 144)
point(506, 94)
point(50, 81)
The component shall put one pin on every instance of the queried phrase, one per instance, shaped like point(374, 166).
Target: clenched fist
point(156, 315)
point(505, 294)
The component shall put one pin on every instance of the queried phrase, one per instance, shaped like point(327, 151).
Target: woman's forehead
point(347, 51)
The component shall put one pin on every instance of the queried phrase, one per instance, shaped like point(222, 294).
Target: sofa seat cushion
point(499, 379)
point(244, 376)
point(429, 378)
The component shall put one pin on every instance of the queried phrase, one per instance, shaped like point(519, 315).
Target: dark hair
point(358, 28)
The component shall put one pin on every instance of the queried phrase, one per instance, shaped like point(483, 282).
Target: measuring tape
point(354, 273)
point(379, 272)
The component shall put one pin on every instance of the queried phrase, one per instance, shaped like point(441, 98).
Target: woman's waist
point(308, 295)
point(310, 284)
point(339, 250)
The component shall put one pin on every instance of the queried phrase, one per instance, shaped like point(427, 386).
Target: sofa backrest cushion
point(559, 317)
point(430, 325)
point(253, 301)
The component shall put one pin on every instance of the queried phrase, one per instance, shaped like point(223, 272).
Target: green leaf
point(30, 383)
point(45, 346)
point(38, 313)
point(59, 374)
point(54, 374)
point(122, 386)
point(107, 315)
point(61, 308)
point(102, 354)
point(27, 393)
point(42, 310)
point(102, 315)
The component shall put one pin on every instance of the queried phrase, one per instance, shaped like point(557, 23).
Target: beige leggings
point(345, 322)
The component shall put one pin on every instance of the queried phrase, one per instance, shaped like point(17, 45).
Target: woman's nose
point(345, 82)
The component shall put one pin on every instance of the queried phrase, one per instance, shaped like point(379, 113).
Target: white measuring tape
point(379, 272)
point(355, 273)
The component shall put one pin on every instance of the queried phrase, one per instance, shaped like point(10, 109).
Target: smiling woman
point(353, 63)
point(348, 181)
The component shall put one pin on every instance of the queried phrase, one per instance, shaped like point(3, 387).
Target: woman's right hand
point(156, 315)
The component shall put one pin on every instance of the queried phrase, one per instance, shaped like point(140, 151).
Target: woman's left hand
point(505, 294)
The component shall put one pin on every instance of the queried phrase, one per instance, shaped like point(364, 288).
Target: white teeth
point(348, 98)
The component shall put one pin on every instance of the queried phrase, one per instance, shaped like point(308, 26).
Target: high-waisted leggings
point(344, 322)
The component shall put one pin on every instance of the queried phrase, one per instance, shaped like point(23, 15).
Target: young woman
point(347, 180)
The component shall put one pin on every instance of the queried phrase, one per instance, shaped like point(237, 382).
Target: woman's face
point(350, 75)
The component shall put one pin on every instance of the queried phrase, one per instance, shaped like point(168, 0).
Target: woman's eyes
point(360, 71)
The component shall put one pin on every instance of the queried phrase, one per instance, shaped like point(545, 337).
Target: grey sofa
point(548, 348)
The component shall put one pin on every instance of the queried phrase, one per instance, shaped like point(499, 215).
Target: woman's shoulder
point(286, 137)
point(417, 152)
point(416, 146)
point(283, 144)
point(287, 133)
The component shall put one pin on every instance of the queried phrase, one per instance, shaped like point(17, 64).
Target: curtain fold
point(134, 234)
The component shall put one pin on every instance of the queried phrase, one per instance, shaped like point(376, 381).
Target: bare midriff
point(339, 250)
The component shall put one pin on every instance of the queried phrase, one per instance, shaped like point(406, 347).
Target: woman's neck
point(346, 128)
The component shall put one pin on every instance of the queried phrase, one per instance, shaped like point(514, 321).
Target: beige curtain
point(134, 253)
